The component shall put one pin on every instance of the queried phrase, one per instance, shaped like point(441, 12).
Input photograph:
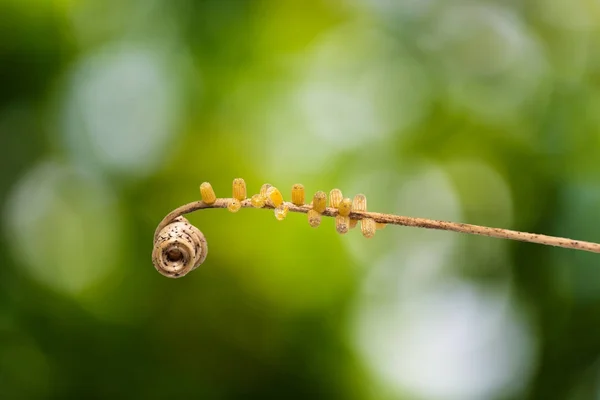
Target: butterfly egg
point(319, 202)
point(359, 203)
point(207, 193)
point(274, 195)
point(281, 212)
point(342, 224)
point(314, 218)
point(368, 227)
point(234, 205)
point(264, 188)
point(298, 194)
point(239, 189)
point(379, 226)
point(344, 207)
point(335, 198)
point(263, 192)
point(258, 201)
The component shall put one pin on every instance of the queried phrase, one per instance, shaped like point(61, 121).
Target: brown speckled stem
point(403, 221)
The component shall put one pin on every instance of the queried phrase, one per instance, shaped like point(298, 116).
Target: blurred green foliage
point(113, 112)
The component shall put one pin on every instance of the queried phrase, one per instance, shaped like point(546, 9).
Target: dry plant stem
point(403, 221)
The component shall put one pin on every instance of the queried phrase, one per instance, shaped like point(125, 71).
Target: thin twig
point(403, 221)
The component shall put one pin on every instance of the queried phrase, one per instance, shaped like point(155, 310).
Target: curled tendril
point(180, 247)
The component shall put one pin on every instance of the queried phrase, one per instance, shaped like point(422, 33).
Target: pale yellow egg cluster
point(271, 197)
point(345, 206)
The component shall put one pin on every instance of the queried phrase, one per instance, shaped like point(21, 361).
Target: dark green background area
point(486, 112)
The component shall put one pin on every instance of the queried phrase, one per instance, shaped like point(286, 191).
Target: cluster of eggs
point(270, 196)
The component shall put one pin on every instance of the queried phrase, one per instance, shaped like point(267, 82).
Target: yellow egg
point(319, 202)
point(314, 218)
point(298, 194)
point(207, 193)
point(335, 197)
point(239, 189)
point(234, 205)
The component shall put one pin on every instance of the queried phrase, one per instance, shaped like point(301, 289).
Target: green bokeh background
point(113, 112)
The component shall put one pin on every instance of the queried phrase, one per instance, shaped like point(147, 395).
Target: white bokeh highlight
point(491, 63)
point(122, 109)
point(64, 227)
point(454, 341)
point(573, 15)
point(421, 328)
point(355, 86)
